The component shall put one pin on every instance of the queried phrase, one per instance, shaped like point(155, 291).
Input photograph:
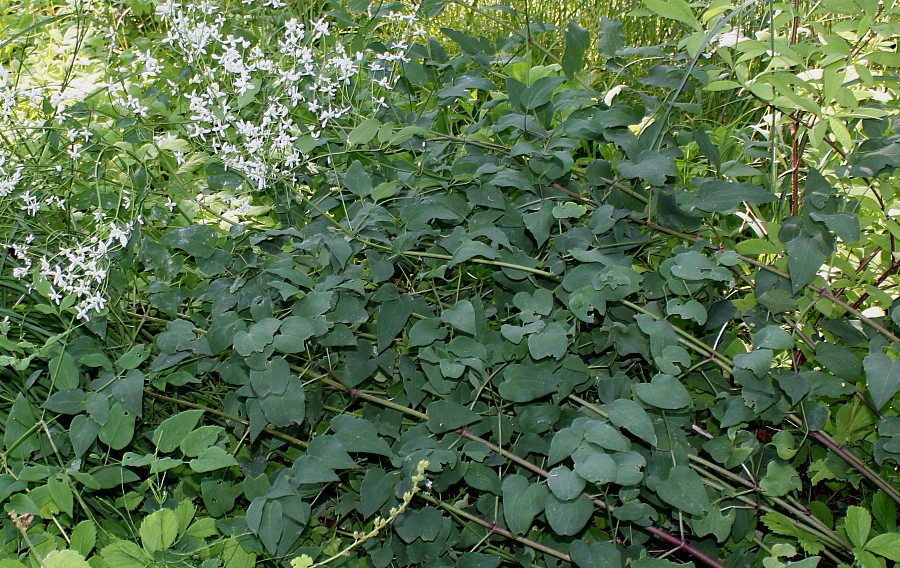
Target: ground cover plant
point(354, 285)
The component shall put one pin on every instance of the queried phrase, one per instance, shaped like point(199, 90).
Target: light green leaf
point(857, 523)
point(211, 459)
point(887, 545)
point(364, 132)
point(678, 10)
point(159, 530)
point(64, 559)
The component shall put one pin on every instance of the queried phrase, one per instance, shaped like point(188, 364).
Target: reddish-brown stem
point(661, 534)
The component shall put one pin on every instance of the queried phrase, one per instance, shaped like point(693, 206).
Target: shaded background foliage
point(620, 302)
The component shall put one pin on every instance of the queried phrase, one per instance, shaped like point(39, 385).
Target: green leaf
point(374, 491)
point(552, 341)
point(84, 537)
point(806, 254)
point(358, 180)
point(294, 332)
point(392, 318)
point(522, 501)
point(780, 479)
point(159, 530)
point(64, 559)
point(126, 554)
point(577, 41)
point(678, 10)
point(595, 465)
point(524, 383)
point(118, 430)
point(772, 337)
point(83, 431)
point(445, 415)
point(663, 391)
point(136, 355)
point(565, 483)
point(461, 316)
point(719, 196)
point(882, 378)
point(857, 523)
point(887, 545)
point(625, 413)
point(359, 435)
point(567, 518)
point(595, 555)
point(424, 523)
point(650, 166)
point(170, 433)
point(211, 459)
point(715, 522)
point(683, 489)
point(364, 132)
point(200, 439)
point(539, 93)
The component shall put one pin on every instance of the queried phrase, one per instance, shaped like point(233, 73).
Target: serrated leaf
point(159, 530)
point(887, 545)
point(857, 523)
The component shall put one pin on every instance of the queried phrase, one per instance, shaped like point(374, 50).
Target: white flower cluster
point(78, 271)
point(311, 83)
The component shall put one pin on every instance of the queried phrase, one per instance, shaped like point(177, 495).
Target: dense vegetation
point(449, 285)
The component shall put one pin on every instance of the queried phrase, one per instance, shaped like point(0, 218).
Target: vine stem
point(661, 534)
point(493, 528)
point(841, 451)
point(703, 466)
point(226, 416)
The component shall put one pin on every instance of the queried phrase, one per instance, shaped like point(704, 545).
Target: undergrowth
point(448, 285)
